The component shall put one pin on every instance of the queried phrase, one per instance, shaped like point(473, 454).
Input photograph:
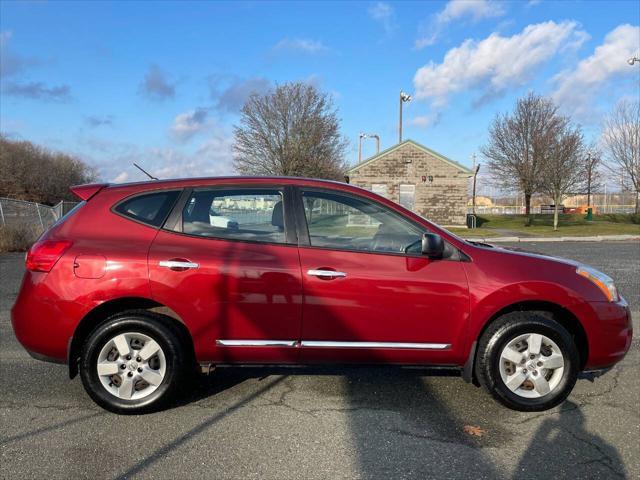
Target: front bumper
point(609, 333)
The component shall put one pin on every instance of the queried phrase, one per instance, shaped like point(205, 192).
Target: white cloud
point(114, 160)
point(213, 158)
point(423, 121)
point(384, 14)
point(494, 64)
point(300, 45)
point(187, 125)
point(577, 88)
point(457, 10)
point(474, 9)
point(121, 177)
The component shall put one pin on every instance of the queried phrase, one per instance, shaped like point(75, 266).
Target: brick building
point(418, 178)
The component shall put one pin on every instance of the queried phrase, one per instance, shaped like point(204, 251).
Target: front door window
point(344, 222)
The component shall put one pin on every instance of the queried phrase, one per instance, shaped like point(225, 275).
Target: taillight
point(43, 255)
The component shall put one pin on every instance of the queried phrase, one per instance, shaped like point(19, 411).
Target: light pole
point(475, 176)
point(589, 177)
point(633, 60)
point(404, 97)
point(377, 137)
point(367, 135)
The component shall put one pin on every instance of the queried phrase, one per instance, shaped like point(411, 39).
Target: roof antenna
point(144, 171)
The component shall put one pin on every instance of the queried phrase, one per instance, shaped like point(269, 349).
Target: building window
point(380, 189)
point(408, 196)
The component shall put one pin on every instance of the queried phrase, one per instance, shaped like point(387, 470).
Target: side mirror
point(432, 245)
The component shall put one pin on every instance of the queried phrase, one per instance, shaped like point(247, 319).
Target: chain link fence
point(602, 203)
point(36, 217)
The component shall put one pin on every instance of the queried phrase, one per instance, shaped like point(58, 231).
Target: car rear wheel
point(527, 361)
point(132, 363)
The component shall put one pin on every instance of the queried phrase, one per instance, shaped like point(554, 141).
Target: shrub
point(619, 217)
point(17, 238)
point(480, 220)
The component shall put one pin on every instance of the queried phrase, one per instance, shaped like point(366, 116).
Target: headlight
point(600, 280)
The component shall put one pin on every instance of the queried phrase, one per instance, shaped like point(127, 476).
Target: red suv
point(142, 282)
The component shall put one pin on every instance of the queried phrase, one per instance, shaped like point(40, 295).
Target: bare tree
point(563, 165)
point(621, 142)
point(519, 143)
point(294, 131)
point(30, 172)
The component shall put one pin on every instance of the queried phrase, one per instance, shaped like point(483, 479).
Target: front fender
point(526, 295)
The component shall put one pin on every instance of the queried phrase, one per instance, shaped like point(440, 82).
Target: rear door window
point(151, 208)
point(237, 214)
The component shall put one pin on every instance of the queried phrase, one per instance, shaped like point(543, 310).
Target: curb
point(598, 238)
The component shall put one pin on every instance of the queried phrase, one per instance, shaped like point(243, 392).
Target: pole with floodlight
point(360, 137)
point(404, 97)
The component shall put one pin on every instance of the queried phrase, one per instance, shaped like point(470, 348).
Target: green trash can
point(589, 214)
point(471, 220)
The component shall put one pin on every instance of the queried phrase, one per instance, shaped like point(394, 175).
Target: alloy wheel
point(131, 365)
point(531, 365)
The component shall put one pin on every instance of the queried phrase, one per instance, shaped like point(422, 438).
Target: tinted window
point(240, 214)
point(348, 223)
point(151, 208)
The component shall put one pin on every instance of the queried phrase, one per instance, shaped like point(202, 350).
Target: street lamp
point(360, 137)
point(367, 135)
point(404, 97)
point(377, 137)
point(633, 60)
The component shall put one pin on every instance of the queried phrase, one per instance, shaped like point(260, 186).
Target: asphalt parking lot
point(338, 423)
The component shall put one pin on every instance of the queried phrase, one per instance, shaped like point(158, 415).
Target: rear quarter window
point(148, 208)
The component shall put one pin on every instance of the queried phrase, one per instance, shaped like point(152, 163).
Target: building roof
point(433, 153)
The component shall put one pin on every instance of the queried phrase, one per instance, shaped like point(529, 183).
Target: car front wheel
point(527, 361)
point(132, 363)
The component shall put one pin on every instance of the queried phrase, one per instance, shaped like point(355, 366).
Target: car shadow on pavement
point(400, 425)
point(565, 436)
point(406, 427)
point(421, 423)
point(161, 452)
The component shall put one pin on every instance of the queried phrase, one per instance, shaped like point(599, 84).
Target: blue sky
point(161, 83)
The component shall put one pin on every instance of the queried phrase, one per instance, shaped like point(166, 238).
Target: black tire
point(499, 334)
point(160, 329)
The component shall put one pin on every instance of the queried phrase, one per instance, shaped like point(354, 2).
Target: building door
point(408, 196)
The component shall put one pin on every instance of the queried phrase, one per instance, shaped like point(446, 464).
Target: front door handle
point(177, 265)
point(326, 273)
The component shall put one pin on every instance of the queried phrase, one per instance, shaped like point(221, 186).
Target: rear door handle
point(177, 265)
point(326, 273)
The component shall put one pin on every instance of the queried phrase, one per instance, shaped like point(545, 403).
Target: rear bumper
point(41, 321)
point(610, 333)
